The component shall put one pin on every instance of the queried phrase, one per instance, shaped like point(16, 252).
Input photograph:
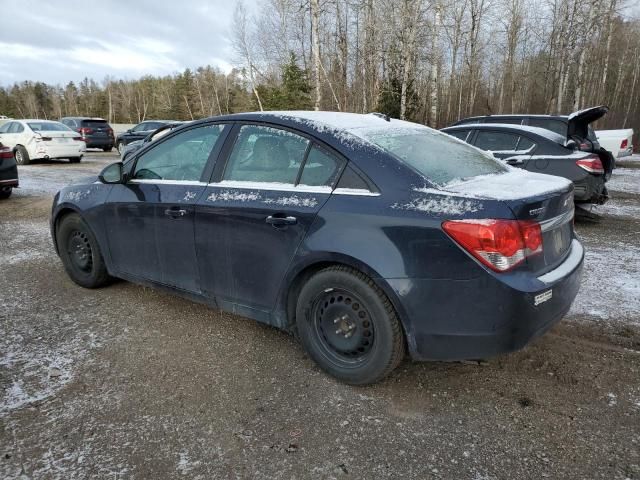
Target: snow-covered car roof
point(543, 132)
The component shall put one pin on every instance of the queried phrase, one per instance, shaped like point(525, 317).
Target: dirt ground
point(126, 382)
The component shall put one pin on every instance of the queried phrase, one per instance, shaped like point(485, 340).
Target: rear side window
point(266, 154)
point(461, 134)
point(320, 169)
point(16, 128)
point(525, 144)
point(552, 124)
point(5, 128)
point(182, 157)
point(435, 155)
point(496, 141)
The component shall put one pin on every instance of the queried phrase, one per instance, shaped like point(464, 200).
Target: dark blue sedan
point(363, 235)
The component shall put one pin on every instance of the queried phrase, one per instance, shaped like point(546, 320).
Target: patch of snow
point(234, 196)
point(610, 285)
point(619, 207)
point(294, 201)
point(188, 196)
point(625, 180)
point(185, 464)
point(77, 195)
point(441, 206)
point(512, 185)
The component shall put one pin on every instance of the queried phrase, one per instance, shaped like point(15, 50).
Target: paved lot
point(126, 382)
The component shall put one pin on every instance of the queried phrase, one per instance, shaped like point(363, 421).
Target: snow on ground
point(625, 180)
point(611, 283)
point(619, 207)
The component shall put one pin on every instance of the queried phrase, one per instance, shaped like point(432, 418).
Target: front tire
point(21, 155)
point(348, 326)
point(80, 252)
point(5, 192)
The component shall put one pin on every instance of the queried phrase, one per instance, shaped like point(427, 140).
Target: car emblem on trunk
point(536, 211)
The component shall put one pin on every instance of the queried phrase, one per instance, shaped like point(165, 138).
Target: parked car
point(95, 132)
point(136, 145)
point(41, 139)
point(363, 235)
point(618, 142)
point(8, 172)
point(139, 132)
point(541, 151)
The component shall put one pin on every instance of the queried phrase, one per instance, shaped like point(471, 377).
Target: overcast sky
point(59, 41)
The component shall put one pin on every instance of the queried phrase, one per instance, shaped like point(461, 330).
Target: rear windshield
point(94, 123)
point(439, 157)
point(48, 127)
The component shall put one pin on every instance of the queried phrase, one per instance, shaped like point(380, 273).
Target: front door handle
point(175, 212)
point(277, 221)
point(514, 161)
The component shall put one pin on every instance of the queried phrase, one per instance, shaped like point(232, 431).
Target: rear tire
point(21, 155)
point(75, 159)
point(348, 326)
point(107, 149)
point(80, 252)
point(5, 192)
point(120, 147)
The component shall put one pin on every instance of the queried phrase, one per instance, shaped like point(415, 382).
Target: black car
point(136, 145)
point(95, 132)
point(348, 230)
point(541, 151)
point(139, 132)
point(8, 172)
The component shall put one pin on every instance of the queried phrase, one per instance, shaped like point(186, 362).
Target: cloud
point(58, 42)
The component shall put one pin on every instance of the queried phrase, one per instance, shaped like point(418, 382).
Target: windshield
point(439, 157)
point(48, 127)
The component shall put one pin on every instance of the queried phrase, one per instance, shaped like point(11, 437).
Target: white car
point(618, 142)
point(41, 139)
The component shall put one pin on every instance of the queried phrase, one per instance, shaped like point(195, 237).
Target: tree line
point(431, 61)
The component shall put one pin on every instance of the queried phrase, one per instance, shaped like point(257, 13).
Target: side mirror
point(113, 173)
point(571, 144)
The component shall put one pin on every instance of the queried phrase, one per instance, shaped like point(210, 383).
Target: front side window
point(525, 144)
point(265, 154)
point(433, 154)
point(496, 141)
point(182, 157)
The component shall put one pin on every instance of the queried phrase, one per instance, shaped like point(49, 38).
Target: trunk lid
point(578, 122)
point(545, 199)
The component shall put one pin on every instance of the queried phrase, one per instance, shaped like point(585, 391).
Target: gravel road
point(129, 383)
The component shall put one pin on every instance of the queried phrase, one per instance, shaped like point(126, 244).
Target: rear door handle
point(175, 212)
point(281, 221)
point(514, 161)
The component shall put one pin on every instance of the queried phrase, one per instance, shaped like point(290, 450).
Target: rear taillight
point(499, 244)
point(5, 152)
point(591, 164)
point(110, 132)
point(85, 131)
point(624, 144)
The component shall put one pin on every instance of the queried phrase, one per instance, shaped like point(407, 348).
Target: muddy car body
point(343, 228)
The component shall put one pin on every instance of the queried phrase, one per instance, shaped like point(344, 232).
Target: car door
point(255, 213)
point(149, 220)
point(6, 137)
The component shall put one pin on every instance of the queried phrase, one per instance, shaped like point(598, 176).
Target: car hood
point(578, 122)
point(85, 180)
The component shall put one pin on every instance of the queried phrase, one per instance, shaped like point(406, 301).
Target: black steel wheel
point(80, 252)
point(348, 326)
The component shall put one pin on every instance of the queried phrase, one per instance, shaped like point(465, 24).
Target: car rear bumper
point(590, 189)
point(8, 173)
point(63, 150)
point(99, 142)
point(482, 317)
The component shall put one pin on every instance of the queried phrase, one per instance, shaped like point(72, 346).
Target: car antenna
point(383, 116)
